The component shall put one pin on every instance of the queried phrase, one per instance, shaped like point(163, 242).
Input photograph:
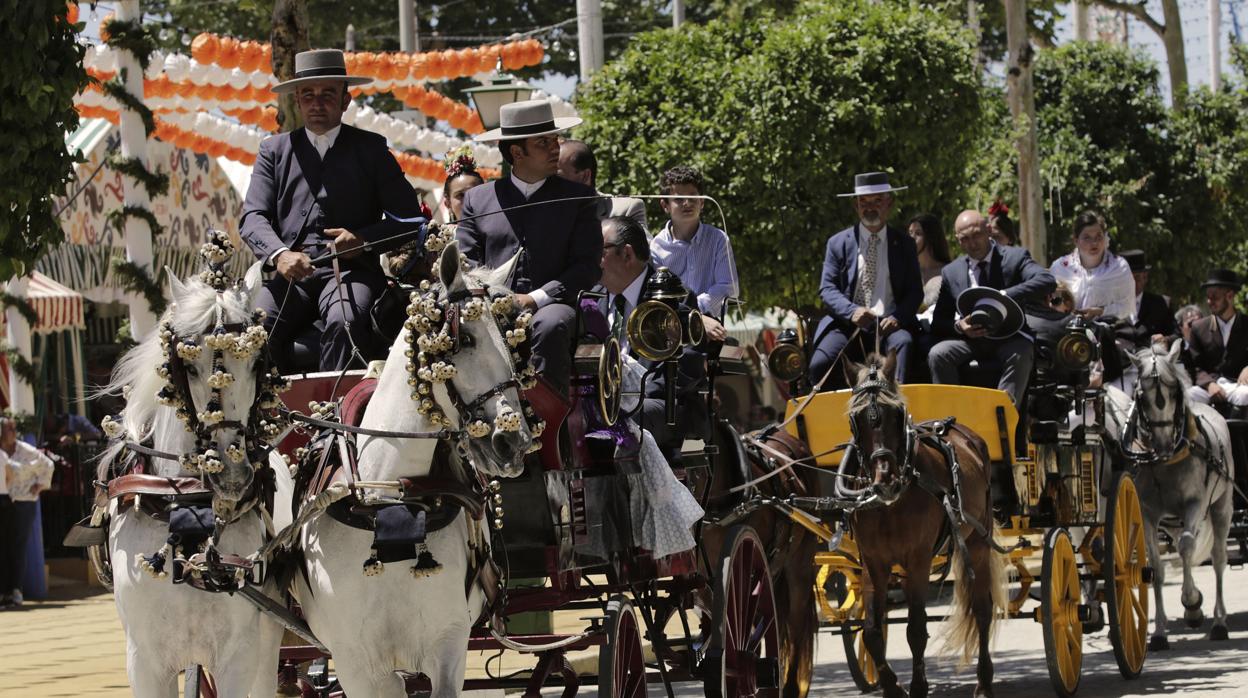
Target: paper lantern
point(228, 53)
point(204, 48)
point(267, 51)
point(418, 67)
point(105, 35)
point(71, 12)
point(435, 64)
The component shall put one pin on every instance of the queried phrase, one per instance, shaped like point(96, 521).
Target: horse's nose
point(509, 448)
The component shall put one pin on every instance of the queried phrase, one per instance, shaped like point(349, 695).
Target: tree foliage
point(779, 114)
point(43, 71)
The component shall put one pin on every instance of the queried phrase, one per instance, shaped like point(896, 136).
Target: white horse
point(1184, 480)
point(169, 628)
point(391, 620)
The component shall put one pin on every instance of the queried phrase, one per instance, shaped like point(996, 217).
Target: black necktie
point(618, 322)
point(981, 273)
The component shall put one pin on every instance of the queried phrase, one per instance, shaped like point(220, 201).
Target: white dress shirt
point(881, 300)
point(1225, 326)
point(631, 294)
point(25, 470)
point(527, 189)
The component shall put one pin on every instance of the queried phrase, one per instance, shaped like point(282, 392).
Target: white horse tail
point(961, 632)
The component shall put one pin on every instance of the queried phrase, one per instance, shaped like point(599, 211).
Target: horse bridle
point(1137, 418)
point(873, 493)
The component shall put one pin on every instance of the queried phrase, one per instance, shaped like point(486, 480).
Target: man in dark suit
point(625, 270)
point(1153, 319)
point(1010, 270)
point(326, 186)
point(870, 275)
point(1219, 345)
point(551, 224)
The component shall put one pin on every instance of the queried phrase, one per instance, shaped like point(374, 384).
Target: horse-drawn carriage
point(1068, 511)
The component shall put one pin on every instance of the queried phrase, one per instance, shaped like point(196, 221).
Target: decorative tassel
point(154, 564)
point(425, 565)
point(373, 566)
point(507, 420)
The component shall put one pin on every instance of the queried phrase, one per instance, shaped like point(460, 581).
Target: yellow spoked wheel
point(1059, 612)
point(1127, 576)
point(861, 666)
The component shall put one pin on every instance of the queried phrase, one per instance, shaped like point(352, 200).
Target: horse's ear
point(253, 280)
point(450, 269)
point(852, 371)
point(890, 366)
point(501, 275)
point(177, 289)
point(1176, 349)
point(1135, 359)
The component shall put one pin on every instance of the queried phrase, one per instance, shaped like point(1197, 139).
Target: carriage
point(1070, 524)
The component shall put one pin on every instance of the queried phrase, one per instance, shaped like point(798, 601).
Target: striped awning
point(59, 308)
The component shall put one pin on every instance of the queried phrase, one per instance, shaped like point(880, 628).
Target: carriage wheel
point(743, 658)
point(861, 664)
point(1059, 612)
point(621, 665)
point(1126, 588)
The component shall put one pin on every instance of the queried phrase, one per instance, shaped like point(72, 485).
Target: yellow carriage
point(1065, 509)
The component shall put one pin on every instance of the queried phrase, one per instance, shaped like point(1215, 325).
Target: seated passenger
point(870, 275)
point(625, 270)
point(461, 175)
point(699, 253)
point(983, 263)
point(557, 238)
point(1219, 345)
point(577, 163)
point(1153, 320)
point(1101, 280)
point(929, 240)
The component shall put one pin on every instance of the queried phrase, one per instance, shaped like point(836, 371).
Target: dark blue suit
point(836, 289)
point(560, 241)
point(1013, 271)
point(293, 196)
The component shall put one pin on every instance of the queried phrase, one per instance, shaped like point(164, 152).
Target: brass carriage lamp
point(785, 361)
point(488, 99)
point(657, 328)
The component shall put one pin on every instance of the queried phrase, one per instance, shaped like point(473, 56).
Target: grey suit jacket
point(625, 206)
point(364, 192)
point(560, 237)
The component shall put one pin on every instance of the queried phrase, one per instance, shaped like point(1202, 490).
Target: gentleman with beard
point(1219, 345)
point(871, 286)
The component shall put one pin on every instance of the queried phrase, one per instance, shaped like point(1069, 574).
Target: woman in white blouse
point(1100, 280)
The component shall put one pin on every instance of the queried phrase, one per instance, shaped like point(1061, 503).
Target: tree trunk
point(1176, 59)
point(289, 36)
point(1021, 96)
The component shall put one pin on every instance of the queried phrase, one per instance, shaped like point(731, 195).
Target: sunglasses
point(1057, 302)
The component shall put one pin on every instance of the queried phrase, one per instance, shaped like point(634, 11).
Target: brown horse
point(791, 547)
point(899, 490)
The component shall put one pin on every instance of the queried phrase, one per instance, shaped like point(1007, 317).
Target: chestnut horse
point(910, 486)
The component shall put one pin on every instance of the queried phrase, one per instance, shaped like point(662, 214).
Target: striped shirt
point(704, 263)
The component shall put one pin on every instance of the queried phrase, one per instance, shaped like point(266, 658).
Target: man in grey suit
point(577, 163)
point(1010, 270)
point(548, 223)
point(326, 186)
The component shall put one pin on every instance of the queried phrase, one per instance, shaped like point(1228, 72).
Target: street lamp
point(489, 98)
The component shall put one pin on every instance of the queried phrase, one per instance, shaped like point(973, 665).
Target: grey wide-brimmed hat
point(320, 64)
point(869, 183)
point(991, 309)
point(527, 119)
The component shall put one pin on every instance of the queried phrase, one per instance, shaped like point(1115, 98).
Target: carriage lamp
point(785, 361)
point(659, 326)
point(1075, 350)
point(488, 99)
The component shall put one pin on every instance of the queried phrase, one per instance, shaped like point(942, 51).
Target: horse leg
point(147, 678)
point(363, 682)
point(988, 576)
point(1220, 519)
point(235, 673)
point(803, 619)
point(1191, 596)
point(1158, 641)
point(447, 678)
point(876, 599)
point(916, 624)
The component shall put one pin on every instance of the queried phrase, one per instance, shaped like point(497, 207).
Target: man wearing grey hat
point(870, 285)
point(325, 187)
point(547, 223)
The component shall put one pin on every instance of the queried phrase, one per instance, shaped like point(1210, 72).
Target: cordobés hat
point(520, 120)
point(320, 64)
point(870, 183)
point(1136, 259)
point(1222, 277)
point(992, 310)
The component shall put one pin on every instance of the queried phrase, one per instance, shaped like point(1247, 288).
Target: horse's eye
point(192, 370)
point(466, 341)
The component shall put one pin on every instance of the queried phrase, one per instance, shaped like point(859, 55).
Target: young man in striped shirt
point(700, 254)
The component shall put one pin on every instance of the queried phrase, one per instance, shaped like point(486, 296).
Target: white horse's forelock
point(194, 314)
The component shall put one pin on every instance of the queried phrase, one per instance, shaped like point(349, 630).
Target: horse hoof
point(918, 690)
point(1193, 619)
point(1158, 643)
point(895, 692)
point(1218, 632)
point(983, 692)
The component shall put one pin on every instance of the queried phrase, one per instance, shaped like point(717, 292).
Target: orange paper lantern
point(204, 48)
point(419, 67)
point(253, 57)
point(435, 64)
point(105, 35)
point(266, 54)
point(71, 12)
point(228, 53)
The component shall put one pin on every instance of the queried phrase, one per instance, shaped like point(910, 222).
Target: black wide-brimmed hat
point(527, 119)
point(320, 64)
point(870, 183)
point(1222, 277)
point(991, 309)
point(1136, 259)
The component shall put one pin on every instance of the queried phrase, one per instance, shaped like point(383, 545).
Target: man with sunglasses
point(871, 286)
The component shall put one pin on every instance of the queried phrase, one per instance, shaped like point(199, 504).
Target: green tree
point(43, 71)
point(779, 114)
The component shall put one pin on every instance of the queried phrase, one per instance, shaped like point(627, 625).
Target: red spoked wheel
point(621, 664)
point(743, 660)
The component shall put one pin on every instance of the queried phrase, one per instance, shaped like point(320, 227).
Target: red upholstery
point(355, 402)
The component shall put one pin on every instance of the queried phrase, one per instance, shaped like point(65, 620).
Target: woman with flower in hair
point(461, 175)
point(1000, 228)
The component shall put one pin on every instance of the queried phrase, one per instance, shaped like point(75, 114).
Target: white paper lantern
point(177, 66)
point(238, 79)
point(155, 65)
point(106, 59)
point(259, 79)
point(198, 73)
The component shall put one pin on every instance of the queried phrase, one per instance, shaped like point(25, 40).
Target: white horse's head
point(197, 387)
point(1160, 397)
point(465, 365)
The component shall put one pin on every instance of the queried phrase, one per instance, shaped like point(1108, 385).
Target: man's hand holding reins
point(345, 242)
point(292, 265)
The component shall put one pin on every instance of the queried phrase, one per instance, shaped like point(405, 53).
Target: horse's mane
point(889, 397)
point(194, 314)
point(1169, 367)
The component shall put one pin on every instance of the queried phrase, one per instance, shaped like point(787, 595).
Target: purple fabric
point(595, 322)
